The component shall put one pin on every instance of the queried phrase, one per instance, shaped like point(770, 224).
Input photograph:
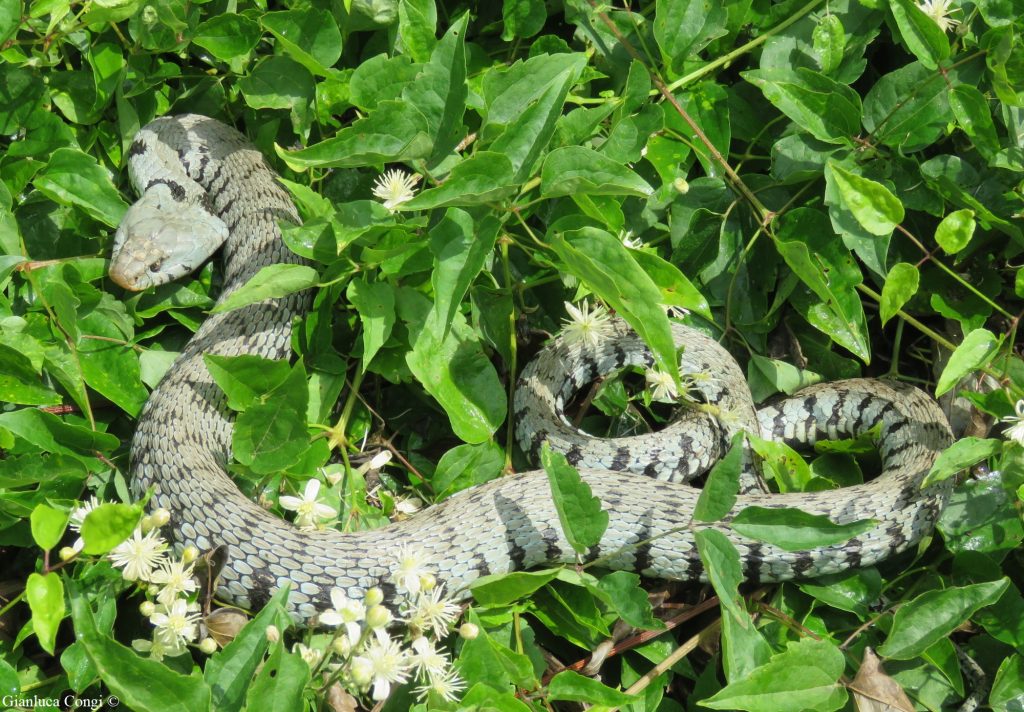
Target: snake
point(203, 184)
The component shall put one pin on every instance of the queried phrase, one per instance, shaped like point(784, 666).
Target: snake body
point(200, 182)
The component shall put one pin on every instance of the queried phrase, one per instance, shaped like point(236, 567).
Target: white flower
point(79, 513)
point(434, 612)
point(312, 656)
point(626, 236)
point(376, 462)
point(139, 555)
point(408, 505)
point(308, 509)
point(159, 648)
point(175, 578)
point(346, 612)
point(585, 326)
point(394, 188)
point(674, 312)
point(447, 687)
point(410, 565)
point(176, 623)
point(1016, 429)
point(386, 662)
point(663, 388)
point(939, 11)
point(427, 661)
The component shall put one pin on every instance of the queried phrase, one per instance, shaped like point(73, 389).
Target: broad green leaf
point(782, 463)
point(722, 566)
point(279, 82)
point(270, 435)
point(743, 647)
point(271, 282)
point(48, 525)
point(723, 483)
point(795, 530)
point(900, 285)
point(309, 35)
point(955, 230)
point(908, 108)
point(607, 267)
point(280, 682)
point(924, 38)
point(503, 589)
point(830, 111)
point(876, 209)
point(417, 26)
point(381, 78)
point(768, 376)
point(522, 18)
point(48, 432)
point(467, 465)
point(245, 378)
point(629, 599)
point(45, 596)
point(109, 365)
point(509, 91)
point(227, 36)
point(855, 590)
point(375, 302)
point(483, 178)
point(1007, 692)
point(683, 27)
point(139, 683)
point(108, 525)
point(829, 40)
point(577, 169)
point(485, 660)
point(229, 672)
point(20, 380)
point(803, 677)
point(9, 684)
point(973, 353)
point(960, 455)
point(570, 685)
point(934, 615)
point(973, 115)
point(676, 289)
point(583, 519)
point(72, 177)
point(24, 90)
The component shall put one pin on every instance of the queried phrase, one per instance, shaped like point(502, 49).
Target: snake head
point(162, 238)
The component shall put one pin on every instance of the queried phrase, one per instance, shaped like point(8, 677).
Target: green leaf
point(955, 230)
point(45, 596)
point(484, 660)
point(246, 378)
point(900, 285)
point(876, 209)
point(583, 519)
point(467, 465)
point(973, 115)
point(139, 683)
point(108, 525)
point(577, 169)
point(280, 83)
point(722, 565)
point(908, 108)
point(48, 432)
point(229, 672)
point(271, 282)
point(48, 525)
point(683, 27)
point(483, 178)
point(795, 530)
point(503, 589)
point(973, 353)
point(676, 289)
point(829, 39)
point(933, 615)
point(803, 677)
point(828, 110)
point(629, 599)
point(72, 177)
point(227, 36)
point(417, 26)
point(522, 18)
point(608, 268)
point(309, 35)
point(723, 483)
point(960, 455)
point(570, 685)
point(1007, 692)
point(854, 590)
point(375, 302)
point(768, 376)
point(924, 38)
point(460, 248)
point(280, 682)
point(271, 434)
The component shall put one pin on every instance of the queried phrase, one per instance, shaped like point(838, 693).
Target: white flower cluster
point(1016, 422)
point(365, 657)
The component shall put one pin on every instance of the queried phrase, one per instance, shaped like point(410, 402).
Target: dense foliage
point(831, 189)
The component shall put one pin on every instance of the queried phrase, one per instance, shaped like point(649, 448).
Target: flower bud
point(147, 608)
point(361, 670)
point(378, 617)
point(427, 582)
point(161, 517)
point(189, 554)
point(273, 634)
point(374, 597)
point(208, 646)
point(469, 631)
point(147, 524)
point(342, 645)
point(67, 553)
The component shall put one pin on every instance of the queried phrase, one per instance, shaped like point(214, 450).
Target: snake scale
point(201, 183)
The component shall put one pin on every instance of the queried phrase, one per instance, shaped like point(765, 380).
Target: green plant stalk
point(930, 333)
point(510, 418)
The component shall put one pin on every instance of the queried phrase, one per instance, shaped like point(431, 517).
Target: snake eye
point(155, 266)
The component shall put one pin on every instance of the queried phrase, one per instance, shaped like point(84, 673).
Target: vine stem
point(927, 331)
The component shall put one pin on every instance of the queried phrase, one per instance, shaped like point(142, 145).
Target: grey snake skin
point(201, 182)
